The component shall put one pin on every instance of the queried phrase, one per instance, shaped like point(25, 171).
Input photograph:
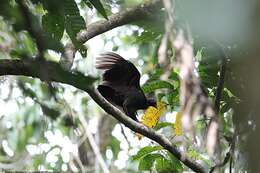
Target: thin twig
point(227, 157)
point(123, 132)
point(230, 164)
point(78, 161)
point(94, 145)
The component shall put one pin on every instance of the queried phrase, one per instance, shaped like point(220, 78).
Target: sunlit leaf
point(146, 150)
point(160, 125)
point(146, 163)
point(99, 7)
point(74, 23)
point(152, 86)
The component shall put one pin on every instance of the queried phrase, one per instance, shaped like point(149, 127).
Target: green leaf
point(24, 135)
point(115, 146)
point(199, 54)
point(156, 74)
point(99, 7)
point(160, 96)
point(196, 156)
point(174, 76)
point(10, 11)
point(148, 36)
point(68, 121)
point(88, 4)
point(176, 162)
point(144, 151)
point(51, 43)
point(162, 125)
point(74, 23)
point(50, 112)
point(147, 162)
point(26, 90)
point(159, 84)
point(172, 98)
point(168, 163)
point(163, 165)
point(53, 23)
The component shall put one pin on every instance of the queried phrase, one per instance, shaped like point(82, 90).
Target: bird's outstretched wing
point(118, 70)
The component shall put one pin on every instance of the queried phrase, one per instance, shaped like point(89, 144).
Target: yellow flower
point(177, 125)
point(152, 116)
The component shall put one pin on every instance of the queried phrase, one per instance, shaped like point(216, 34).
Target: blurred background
point(58, 128)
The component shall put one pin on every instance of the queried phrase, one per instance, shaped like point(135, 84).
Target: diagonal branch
point(140, 12)
point(31, 68)
point(139, 128)
point(93, 144)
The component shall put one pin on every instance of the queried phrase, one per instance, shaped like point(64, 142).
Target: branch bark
point(54, 71)
point(31, 68)
point(141, 12)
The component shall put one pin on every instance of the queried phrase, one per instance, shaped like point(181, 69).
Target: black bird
point(120, 85)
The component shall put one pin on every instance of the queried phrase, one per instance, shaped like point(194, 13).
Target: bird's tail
point(107, 60)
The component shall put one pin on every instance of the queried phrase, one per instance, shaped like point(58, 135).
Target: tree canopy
point(198, 59)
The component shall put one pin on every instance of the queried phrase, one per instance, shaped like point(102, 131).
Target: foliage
point(41, 118)
point(151, 157)
point(99, 7)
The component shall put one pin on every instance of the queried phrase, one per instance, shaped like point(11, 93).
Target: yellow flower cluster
point(152, 116)
point(177, 125)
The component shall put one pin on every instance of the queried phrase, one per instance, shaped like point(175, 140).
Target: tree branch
point(78, 80)
point(141, 12)
point(53, 70)
point(93, 144)
point(228, 156)
point(139, 128)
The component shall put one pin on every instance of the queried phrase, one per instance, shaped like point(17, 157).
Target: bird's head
point(151, 102)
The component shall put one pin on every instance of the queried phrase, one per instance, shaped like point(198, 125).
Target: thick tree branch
point(78, 80)
point(139, 128)
point(53, 70)
point(141, 12)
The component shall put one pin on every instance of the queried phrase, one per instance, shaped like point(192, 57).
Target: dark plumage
point(120, 85)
